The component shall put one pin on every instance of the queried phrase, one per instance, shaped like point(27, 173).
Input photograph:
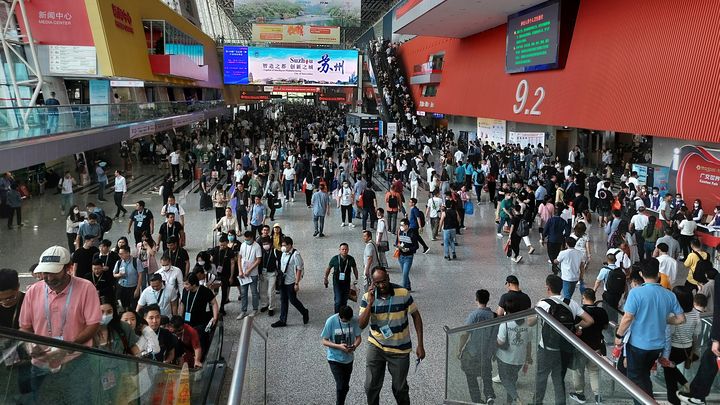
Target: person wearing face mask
point(158, 294)
point(698, 214)
point(72, 225)
point(62, 307)
point(249, 259)
point(269, 265)
point(113, 335)
point(224, 260)
point(172, 278)
point(346, 198)
point(291, 270)
point(407, 243)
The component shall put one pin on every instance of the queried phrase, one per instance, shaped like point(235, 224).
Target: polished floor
point(297, 372)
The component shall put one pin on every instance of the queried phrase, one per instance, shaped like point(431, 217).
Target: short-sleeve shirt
point(289, 174)
point(319, 203)
point(141, 219)
point(650, 304)
point(570, 260)
point(517, 336)
point(393, 312)
point(116, 344)
point(291, 264)
point(257, 215)
point(481, 338)
point(340, 332)
point(372, 253)
point(223, 260)
point(162, 298)
point(196, 303)
point(342, 265)
point(575, 308)
point(132, 268)
point(83, 259)
point(83, 309)
point(249, 254)
point(521, 299)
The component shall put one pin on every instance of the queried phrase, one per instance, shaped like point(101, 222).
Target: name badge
point(342, 276)
point(386, 332)
point(187, 316)
point(139, 224)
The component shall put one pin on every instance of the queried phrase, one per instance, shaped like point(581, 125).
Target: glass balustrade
point(248, 384)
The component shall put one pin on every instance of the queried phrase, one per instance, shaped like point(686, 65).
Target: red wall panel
point(649, 67)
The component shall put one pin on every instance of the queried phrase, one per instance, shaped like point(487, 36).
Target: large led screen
point(533, 36)
point(340, 13)
point(316, 67)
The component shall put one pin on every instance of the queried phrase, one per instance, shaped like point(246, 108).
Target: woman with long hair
point(147, 340)
point(147, 254)
point(114, 335)
point(121, 242)
point(72, 224)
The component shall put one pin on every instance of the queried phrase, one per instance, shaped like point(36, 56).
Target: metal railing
point(249, 380)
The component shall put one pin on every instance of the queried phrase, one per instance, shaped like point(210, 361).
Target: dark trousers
point(219, 213)
point(288, 294)
point(703, 381)
point(341, 292)
point(346, 213)
point(514, 246)
point(175, 170)
point(127, 297)
point(308, 196)
point(224, 291)
point(392, 221)
point(271, 206)
point(553, 362)
point(118, 196)
point(371, 215)
point(397, 364)
point(479, 367)
point(13, 211)
point(553, 250)
point(639, 363)
point(509, 376)
point(342, 373)
point(242, 217)
point(641, 245)
point(101, 190)
point(673, 376)
point(685, 244)
point(71, 241)
point(421, 241)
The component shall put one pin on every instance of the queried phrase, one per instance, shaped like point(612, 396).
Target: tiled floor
point(297, 370)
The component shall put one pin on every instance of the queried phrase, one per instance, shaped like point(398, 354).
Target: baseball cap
point(276, 225)
point(52, 260)
point(512, 280)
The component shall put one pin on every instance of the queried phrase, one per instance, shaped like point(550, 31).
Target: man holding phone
point(385, 307)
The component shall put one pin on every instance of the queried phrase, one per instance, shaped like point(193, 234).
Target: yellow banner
point(295, 34)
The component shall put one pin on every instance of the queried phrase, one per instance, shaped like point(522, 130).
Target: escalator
point(41, 370)
point(614, 387)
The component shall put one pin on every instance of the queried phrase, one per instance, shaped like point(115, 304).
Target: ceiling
point(462, 18)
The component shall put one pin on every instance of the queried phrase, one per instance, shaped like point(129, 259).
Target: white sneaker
point(241, 316)
point(343, 224)
point(496, 379)
point(499, 236)
point(518, 259)
point(292, 200)
point(352, 225)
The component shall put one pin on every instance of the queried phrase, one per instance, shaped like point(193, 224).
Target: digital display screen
point(533, 37)
point(289, 66)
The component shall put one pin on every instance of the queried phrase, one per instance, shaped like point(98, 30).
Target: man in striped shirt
point(385, 307)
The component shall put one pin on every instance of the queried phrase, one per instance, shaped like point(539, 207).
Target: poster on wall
point(695, 172)
point(72, 60)
point(341, 13)
point(296, 34)
point(291, 66)
point(491, 130)
point(527, 138)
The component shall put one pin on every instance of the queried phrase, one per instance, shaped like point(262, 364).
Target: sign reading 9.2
point(522, 102)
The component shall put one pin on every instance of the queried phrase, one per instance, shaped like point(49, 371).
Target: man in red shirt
point(188, 340)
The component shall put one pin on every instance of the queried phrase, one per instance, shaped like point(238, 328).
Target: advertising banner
point(491, 130)
point(99, 94)
point(56, 22)
point(142, 129)
point(697, 173)
point(391, 129)
point(295, 34)
point(290, 66)
point(342, 13)
point(72, 60)
point(526, 138)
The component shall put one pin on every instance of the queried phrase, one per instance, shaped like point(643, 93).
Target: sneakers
point(242, 315)
point(531, 251)
point(278, 324)
point(316, 234)
point(427, 249)
point(343, 224)
point(322, 235)
point(271, 312)
point(490, 401)
point(454, 256)
point(496, 379)
point(578, 397)
point(499, 236)
point(263, 309)
point(352, 225)
point(686, 398)
point(517, 259)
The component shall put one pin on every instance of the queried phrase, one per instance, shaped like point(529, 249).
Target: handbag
point(396, 253)
point(469, 208)
point(383, 246)
point(353, 295)
point(506, 246)
point(277, 203)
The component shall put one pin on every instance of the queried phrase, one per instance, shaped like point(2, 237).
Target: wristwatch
point(621, 337)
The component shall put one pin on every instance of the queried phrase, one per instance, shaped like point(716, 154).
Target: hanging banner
point(491, 130)
point(295, 34)
point(526, 138)
point(99, 94)
point(56, 22)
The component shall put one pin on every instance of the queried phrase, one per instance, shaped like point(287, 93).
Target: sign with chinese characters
point(127, 83)
point(290, 66)
point(142, 129)
point(333, 97)
point(56, 22)
point(342, 13)
point(490, 130)
point(526, 138)
point(293, 89)
point(72, 60)
point(698, 173)
point(295, 34)
point(123, 20)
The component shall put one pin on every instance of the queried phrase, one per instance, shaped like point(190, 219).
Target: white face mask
point(283, 249)
point(106, 319)
point(201, 262)
point(76, 211)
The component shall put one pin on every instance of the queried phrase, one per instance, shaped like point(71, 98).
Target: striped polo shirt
point(392, 311)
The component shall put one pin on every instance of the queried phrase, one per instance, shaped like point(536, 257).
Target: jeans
point(398, 366)
point(552, 362)
point(255, 294)
point(568, 288)
point(289, 189)
point(405, 264)
point(449, 242)
point(481, 368)
point(392, 221)
point(509, 376)
point(66, 201)
point(118, 203)
point(649, 248)
point(267, 290)
point(341, 292)
point(639, 363)
point(288, 294)
point(703, 381)
point(342, 373)
point(319, 222)
point(368, 214)
point(503, 221)
point(101, 190)
point(553, 250)
point(52, 123)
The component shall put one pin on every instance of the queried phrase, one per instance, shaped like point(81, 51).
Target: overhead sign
point(491, 130)
point(526, 139)
point(254, 96)
point(142, 129)
point(293, 89)
point(533, 36)
point(56, 22)
point(342, 13)
point(186, 119)
point(72, 60)
point(328, 97)
point(127, 83)
point(296, 34)
point(291, 66)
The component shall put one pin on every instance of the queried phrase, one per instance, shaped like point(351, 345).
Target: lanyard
point(267, 260)
point(177, 252)
point(64, 312)
point(193, 301)
point(347, 262)
point(159, 296)
point(95, 282)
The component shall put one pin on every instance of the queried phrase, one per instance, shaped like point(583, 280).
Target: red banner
point(333, 98)
point(57, 22)
point(296, 89)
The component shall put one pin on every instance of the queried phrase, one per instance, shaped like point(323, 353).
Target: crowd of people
point(140, 298)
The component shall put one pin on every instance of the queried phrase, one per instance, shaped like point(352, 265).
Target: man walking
point(120, 190)
point(341, 265)
point(385, 307)
point(476, 350)
point(66, 193)
point(141, 221)
point(258, 216)
point(291, 271)
point(320, 204)
point(102, 180)
point(249, 259)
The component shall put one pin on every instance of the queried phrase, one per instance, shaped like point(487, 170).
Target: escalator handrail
point(241, 359)
point(74, 347)
point(118, 105)
point(492, 322)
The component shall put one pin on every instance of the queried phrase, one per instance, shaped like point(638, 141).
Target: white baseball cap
point(53, 260)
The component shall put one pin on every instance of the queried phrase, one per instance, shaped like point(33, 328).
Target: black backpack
point(392, 201)
point(616, 281)
point(560, 311)
point(106, 223)
point(421, 218)
point(523, 228)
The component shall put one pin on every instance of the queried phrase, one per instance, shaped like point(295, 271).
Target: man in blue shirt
point(129, 274)
point(477, 348)
point(341, 335)
point(102, 180)
point(415, 223)
point(648, 309)
point(320, 204)
point(554, 233)
point(52, 122)
point(258, 216)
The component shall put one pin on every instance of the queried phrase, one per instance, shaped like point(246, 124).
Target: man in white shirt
point(459, 155)
point(570, 260)
point(175, 164)
point(239, 173)
point(156, 293)
point(638, 223)
point(175, 208)
point(249, 258)
point(288, 181)
point(66, 193)
point(172, 277)
point(120, 190)
point(634, 180)
point(432, 211)
point(668, 265)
